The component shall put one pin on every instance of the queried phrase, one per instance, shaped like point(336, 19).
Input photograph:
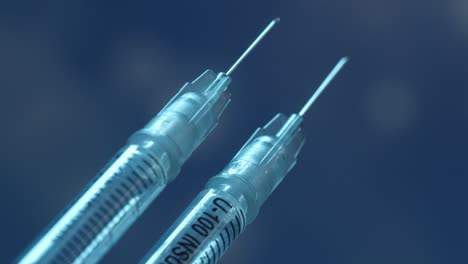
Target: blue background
point(381, 179)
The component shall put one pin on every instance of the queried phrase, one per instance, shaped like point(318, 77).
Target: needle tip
point(252, 46)
point(324, 84)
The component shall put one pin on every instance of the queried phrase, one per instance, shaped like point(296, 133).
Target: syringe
point(126, 186)
point(232, 199)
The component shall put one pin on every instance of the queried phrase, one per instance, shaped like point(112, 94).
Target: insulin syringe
point(232, 199)
point(152, 158)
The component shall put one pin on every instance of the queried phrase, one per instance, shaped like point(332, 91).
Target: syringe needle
point(254, 43)
point(324, 85)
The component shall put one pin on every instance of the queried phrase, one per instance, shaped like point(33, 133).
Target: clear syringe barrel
point(152, 158)
point(232, 199)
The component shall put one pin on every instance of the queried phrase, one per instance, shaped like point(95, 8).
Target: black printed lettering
point(213, 217)
point(205, 222)
point(180, 252)
point(201, 230)
point(188, 244)
point(218, 202)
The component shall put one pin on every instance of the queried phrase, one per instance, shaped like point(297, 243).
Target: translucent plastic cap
point(263, 161)
point(187, 119)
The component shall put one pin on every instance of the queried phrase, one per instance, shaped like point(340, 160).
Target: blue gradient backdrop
point(382, 177)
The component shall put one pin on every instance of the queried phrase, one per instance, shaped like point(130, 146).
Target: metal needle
point(254, 43)
point(324, 85)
